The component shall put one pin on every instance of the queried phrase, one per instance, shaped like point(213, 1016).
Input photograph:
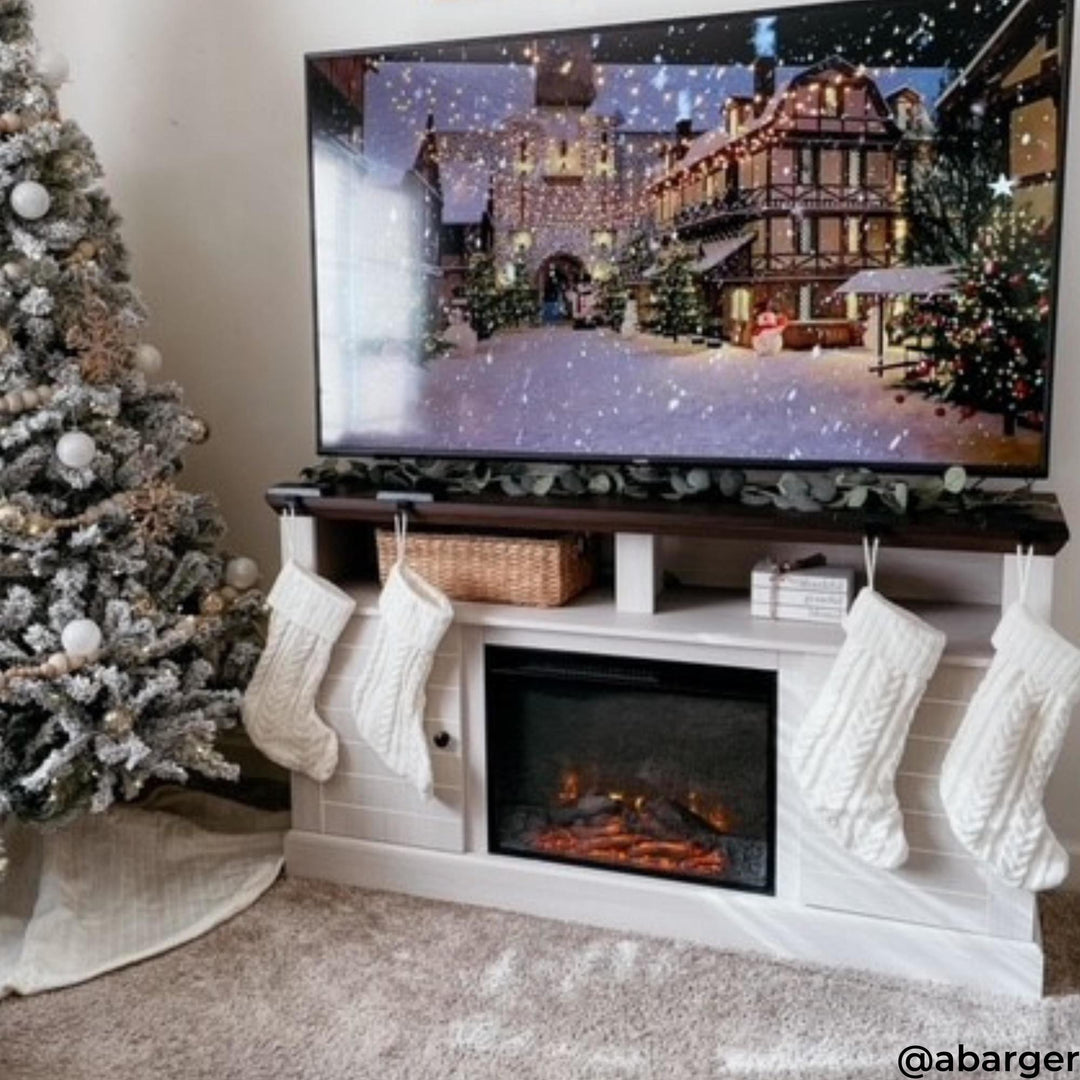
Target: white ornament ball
point(148, 359)
point(242, 573)
point(76, 449)
point(53, 67)
point(81, 637)
point(30, 200)
point(30, 399)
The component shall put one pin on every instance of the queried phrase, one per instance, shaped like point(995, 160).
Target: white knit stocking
point(995, 773)
point(847, 750)
point(390, 696)
point(309, 614)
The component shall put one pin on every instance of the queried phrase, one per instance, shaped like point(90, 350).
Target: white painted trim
point(612, 645)
point(707, 916)
point(474, 735)
point(638, 573)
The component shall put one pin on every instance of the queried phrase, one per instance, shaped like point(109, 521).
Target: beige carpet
point(327, 983)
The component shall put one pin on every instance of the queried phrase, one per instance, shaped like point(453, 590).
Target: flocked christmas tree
point(986, 346)
point(125, 634)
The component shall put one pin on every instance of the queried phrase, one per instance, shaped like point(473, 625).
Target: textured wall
point(197, 111)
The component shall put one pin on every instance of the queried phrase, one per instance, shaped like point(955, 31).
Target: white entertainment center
point(941, 916)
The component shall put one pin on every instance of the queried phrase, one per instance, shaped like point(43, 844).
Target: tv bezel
point(1033, 473)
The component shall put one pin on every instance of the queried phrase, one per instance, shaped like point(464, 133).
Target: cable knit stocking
point(309, 614)
point(847, 750)
point(995, 773)
point(390, 696)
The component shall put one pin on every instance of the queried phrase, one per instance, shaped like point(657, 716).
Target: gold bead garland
point(14, 518)
point(155, 506)
point(57, 665)
point(19, 401)
point(60, 664)
point(218, 601)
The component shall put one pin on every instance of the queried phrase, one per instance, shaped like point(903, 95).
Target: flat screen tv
point(820, 235)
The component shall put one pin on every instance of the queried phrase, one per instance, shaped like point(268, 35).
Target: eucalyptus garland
point(852, 489)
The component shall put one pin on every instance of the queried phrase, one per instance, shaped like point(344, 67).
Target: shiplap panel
point(337, 693)
point(364, 800)
point(938, 719)
point(347, 662)
point(954, 682)
point(931, 832)
point(359, 634)
point(387, 826)
point(923, 755)
point(381, 793)
point(937, 887)
point(924, 869)
point(919, 793)
point(443, 711)
point(358, 759)
point(864, 896)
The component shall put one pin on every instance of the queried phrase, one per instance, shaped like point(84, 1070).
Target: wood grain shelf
point(992, 529)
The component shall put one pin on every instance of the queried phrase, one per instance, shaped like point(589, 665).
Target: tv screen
point(820, 235)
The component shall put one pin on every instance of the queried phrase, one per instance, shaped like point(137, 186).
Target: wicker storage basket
point(529, 570)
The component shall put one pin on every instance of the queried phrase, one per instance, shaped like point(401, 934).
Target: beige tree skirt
point(111, 889)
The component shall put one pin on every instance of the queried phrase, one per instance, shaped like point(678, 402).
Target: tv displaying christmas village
point(826, 235)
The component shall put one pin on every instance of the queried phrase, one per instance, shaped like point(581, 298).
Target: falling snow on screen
point(820, 234)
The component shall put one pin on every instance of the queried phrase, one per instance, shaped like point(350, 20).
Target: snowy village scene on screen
point(823, 234)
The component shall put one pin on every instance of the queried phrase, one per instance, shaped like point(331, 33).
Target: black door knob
point(441, 739)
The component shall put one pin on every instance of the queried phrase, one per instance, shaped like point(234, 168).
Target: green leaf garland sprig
point(858, 490)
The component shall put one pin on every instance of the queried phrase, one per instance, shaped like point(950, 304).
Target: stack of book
point(813, 594)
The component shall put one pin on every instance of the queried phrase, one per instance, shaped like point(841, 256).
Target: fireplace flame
point(716, 814)
point(569, 789)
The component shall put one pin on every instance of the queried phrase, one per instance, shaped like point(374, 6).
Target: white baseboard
point(701, 914)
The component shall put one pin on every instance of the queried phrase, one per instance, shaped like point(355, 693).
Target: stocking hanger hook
point(401, 529)
point(871, 545)
point(288, 512)
point(1025, 559)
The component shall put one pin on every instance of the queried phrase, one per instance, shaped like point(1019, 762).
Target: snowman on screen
point(768, 336)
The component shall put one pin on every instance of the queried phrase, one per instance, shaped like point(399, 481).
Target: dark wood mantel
point(993, 529)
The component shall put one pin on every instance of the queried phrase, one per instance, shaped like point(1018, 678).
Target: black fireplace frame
point(716, 673)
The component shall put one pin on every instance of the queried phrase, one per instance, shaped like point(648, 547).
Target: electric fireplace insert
point(640, 766)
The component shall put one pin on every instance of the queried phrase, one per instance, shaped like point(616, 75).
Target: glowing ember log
point(635, 827)
point(614, 844)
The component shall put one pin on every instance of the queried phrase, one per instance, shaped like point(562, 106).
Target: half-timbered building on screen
point(795, 192)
